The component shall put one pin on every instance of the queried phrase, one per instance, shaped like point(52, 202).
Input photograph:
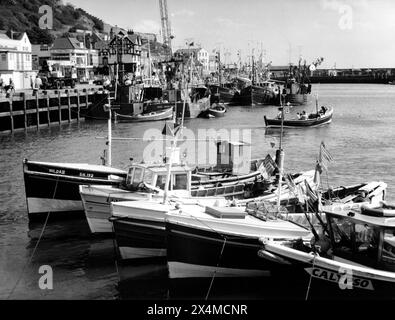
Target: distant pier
point(22, 111)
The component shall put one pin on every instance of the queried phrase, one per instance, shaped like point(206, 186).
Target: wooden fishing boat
point(314, 120)
point(53, 187)
point(152, 116)
point(357, 252)
point(217, 110)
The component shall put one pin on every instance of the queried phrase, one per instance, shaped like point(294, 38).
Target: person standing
point(37, 85)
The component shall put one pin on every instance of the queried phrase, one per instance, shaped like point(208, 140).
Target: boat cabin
point(363, 237)
point(154, 176)
point(233, 156)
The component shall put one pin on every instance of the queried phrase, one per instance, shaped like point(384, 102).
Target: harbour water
point(85, 267)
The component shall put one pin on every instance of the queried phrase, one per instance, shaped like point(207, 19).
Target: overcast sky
point(348, 33)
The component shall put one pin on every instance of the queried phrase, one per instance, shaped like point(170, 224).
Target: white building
point(16, 60)
point(203, 58)
point(73, 55)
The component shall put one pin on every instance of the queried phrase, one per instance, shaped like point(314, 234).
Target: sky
point(347, 33)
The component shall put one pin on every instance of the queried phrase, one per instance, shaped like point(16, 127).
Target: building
point(16, 60)
point(199, 54)
point(41, 53)
point(71, 55)
point(123, 49)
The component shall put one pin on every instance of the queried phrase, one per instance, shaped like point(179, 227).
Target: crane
point(166, 28)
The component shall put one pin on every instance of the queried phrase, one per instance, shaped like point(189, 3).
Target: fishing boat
point(146, 182)
point(313, 120)
point(53, 187)
point(356, 252)
point(152, 116)
point(217, 110)
point(257, 93)
point(223, 93)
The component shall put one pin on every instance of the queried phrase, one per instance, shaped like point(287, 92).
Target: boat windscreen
point(388, 251)
point(355, 241)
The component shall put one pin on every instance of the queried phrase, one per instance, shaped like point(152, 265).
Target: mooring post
point(59, 108)
point(37, 111)
point(24, 109)
point(11, 115)
point(48, 112)
point(78, 105)
point(69, 104)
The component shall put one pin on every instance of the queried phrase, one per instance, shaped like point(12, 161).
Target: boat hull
point(225, 95)
point(329, 278)
point(195, 253)
point(255, 95)
point(54, 188)
point(153, 116)
point(296, 98)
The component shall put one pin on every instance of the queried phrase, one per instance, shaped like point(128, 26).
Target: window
point(161, 181)
point(148, 176)
point(3, 57)
point(130, 176)
point(138, 175)
point(179, 182)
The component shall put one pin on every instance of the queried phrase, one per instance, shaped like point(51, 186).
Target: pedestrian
point(37, 86)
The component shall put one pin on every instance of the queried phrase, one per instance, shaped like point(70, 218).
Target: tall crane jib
point(166, 29)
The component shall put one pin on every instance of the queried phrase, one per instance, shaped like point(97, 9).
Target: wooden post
point(87, 98)
point(78, 106)
point(24, 110)
point(11, 115)
point(59, 108)
point(37, 111)
point(69, 104)
point(48, 112)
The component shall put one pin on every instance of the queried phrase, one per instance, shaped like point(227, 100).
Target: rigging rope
point(311, 277)
point(213, 277)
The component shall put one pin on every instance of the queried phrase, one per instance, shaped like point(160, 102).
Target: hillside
point(23, 15)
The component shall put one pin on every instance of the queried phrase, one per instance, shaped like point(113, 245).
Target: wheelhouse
point(140, 175)
point(363, 239)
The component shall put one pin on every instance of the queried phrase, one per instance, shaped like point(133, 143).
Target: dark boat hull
point(54, 188)
point(299, 123)
point(225, 95)
point(296, 99)
point(138, 239)
point(255, 95)
point(207, 254)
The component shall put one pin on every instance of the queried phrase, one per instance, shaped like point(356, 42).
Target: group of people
point(6, 88)
point(303, 115)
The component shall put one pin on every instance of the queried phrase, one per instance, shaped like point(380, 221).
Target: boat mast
point(149, 62)
point(174, 145)
point(280, 154)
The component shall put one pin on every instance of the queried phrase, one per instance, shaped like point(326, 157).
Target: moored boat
point(313, 120)
point(54, 187)
point(217, 110)
point(357, 252)
point(152, 116)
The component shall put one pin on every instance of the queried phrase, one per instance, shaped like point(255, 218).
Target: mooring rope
point(36, 245)
point(213, 277)
point(311, 277)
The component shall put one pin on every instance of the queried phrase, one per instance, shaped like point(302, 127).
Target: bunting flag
point(267, 167)
point(325, 156)
point(290, 182)
point(170, 129)
point(310, 193)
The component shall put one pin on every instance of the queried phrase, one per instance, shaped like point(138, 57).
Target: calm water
point(360, 139)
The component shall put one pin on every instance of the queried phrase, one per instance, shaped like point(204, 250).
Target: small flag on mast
point(170, 129)
point(325, 157)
